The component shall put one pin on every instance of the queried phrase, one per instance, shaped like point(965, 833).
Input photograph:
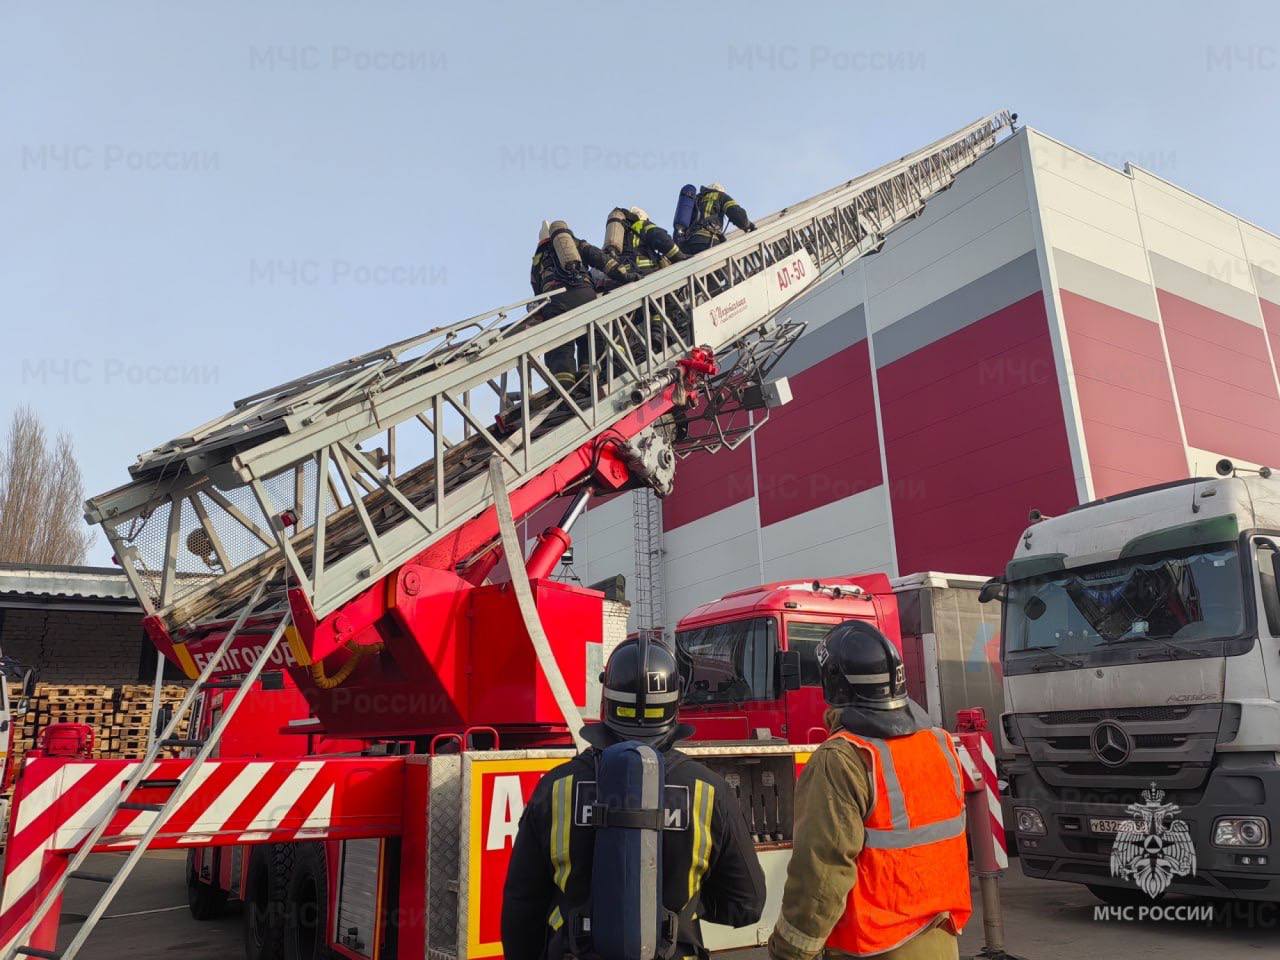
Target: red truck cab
point(749, 659)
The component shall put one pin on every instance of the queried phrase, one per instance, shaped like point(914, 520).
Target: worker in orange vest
point(879, 866)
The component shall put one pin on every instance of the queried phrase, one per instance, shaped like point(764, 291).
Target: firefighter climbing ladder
point(329, 482)
point(154, 815)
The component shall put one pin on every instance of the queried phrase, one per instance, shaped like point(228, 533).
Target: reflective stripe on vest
point(901, 834)
point(561, 822)
point(913, 869)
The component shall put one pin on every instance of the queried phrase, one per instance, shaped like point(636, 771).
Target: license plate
point(1105, 824)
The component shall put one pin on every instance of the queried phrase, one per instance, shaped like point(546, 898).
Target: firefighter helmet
point(641, 684)
point(544, 231)
point(639, 213)
point(861, 668)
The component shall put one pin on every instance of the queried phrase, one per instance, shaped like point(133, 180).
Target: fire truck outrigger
point(345, 524)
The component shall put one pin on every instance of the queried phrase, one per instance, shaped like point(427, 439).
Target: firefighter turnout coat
point(879, 865)
point(709, 863)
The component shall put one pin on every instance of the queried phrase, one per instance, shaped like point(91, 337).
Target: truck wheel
point(264, 901)
point(205, 901)
point(1121, 896)
point(307, 896)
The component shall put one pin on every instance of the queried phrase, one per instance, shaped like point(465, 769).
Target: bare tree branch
point(40, 496)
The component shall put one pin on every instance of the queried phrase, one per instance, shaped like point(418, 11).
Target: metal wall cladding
point(444, 838)
point(357, 893)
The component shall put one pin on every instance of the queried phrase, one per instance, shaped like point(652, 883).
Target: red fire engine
point(344, 526)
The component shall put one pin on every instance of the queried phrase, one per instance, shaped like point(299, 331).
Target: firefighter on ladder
point(711, 208)
point(710, 868)
point(879, 865)
point(561, 260)
point(638, 242)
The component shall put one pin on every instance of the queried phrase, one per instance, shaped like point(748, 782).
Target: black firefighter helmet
point(861, 668)
point(642, 687)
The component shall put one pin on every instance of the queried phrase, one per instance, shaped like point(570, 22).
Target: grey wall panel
point(1093, 280)
point(1015, 280)
point(1200, 287)
point(1267, 283)
point(825, 341)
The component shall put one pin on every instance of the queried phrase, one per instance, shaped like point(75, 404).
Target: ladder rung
point(179, 742)
point(148, 807)
point(94, 877)
point(158, 784)
point(37, 952)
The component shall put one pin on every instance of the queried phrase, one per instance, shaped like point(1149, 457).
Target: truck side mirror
point(993, 589)
point(789, 669)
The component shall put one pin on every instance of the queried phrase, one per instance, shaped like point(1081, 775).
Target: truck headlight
point(1241, 832)
point(1029, 821)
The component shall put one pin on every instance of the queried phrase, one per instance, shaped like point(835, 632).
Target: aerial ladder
point(341, 523)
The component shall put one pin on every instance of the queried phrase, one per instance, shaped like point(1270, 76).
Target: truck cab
point(748, 659)
point(1141, 654)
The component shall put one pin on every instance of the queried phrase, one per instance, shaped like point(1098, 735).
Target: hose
point(358, 653)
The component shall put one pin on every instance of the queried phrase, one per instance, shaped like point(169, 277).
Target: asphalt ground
point(1042, 921)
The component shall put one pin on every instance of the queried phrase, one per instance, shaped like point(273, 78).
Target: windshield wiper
point(1042, 663)
point(1178, 652)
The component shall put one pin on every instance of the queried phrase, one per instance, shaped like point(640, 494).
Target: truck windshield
point(728, 662)
point(1184, 596)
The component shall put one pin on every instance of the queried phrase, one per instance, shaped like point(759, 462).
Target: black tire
point(307, 894)
point(1122, 896)
point(204, 900)
point(264, 901)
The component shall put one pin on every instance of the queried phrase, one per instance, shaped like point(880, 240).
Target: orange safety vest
point(914, 865)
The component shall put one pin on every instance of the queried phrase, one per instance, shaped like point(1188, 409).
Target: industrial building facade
point(1049, 331)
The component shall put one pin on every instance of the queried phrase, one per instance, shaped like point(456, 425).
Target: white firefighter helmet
point(544, 231)
point(717, 185)
point(639, 213)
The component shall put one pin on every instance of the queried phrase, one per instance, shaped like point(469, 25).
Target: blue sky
point(203, 199)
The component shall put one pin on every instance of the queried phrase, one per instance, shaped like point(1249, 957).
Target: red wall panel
point(975, 437)
point(1126, 400)
point(707, 482)
point(823, 446)
point(1226, 387)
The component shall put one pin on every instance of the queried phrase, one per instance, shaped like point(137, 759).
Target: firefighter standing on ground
point(711, 208)
point(710, 869)
point(879, 865)
point(562, 260)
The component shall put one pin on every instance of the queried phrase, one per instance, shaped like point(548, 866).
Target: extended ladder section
point(327, 483)
point(155, 815)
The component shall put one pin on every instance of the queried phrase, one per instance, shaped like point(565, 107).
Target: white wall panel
point(848, 536)
point(711, 556)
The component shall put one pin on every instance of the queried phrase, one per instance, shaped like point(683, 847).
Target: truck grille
point(1172, 746)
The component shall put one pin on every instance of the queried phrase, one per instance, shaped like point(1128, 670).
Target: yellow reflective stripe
point(561, 821)
point(731, 203)
point(703, 801)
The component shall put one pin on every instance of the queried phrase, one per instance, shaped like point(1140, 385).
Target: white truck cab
point(1141, 659)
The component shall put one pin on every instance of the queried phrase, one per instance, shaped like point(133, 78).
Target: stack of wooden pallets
point(90, 704)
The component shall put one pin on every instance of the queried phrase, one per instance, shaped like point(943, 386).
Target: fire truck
point(749, 658)
point(347, 523)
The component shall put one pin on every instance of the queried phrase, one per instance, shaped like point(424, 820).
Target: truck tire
point(205, 900)
point(307, 896)
point(264, 900)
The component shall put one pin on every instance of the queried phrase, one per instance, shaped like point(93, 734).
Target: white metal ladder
point(333, 480)
point(141, 778)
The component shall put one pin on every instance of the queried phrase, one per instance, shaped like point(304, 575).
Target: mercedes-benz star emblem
point(1110, 744)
